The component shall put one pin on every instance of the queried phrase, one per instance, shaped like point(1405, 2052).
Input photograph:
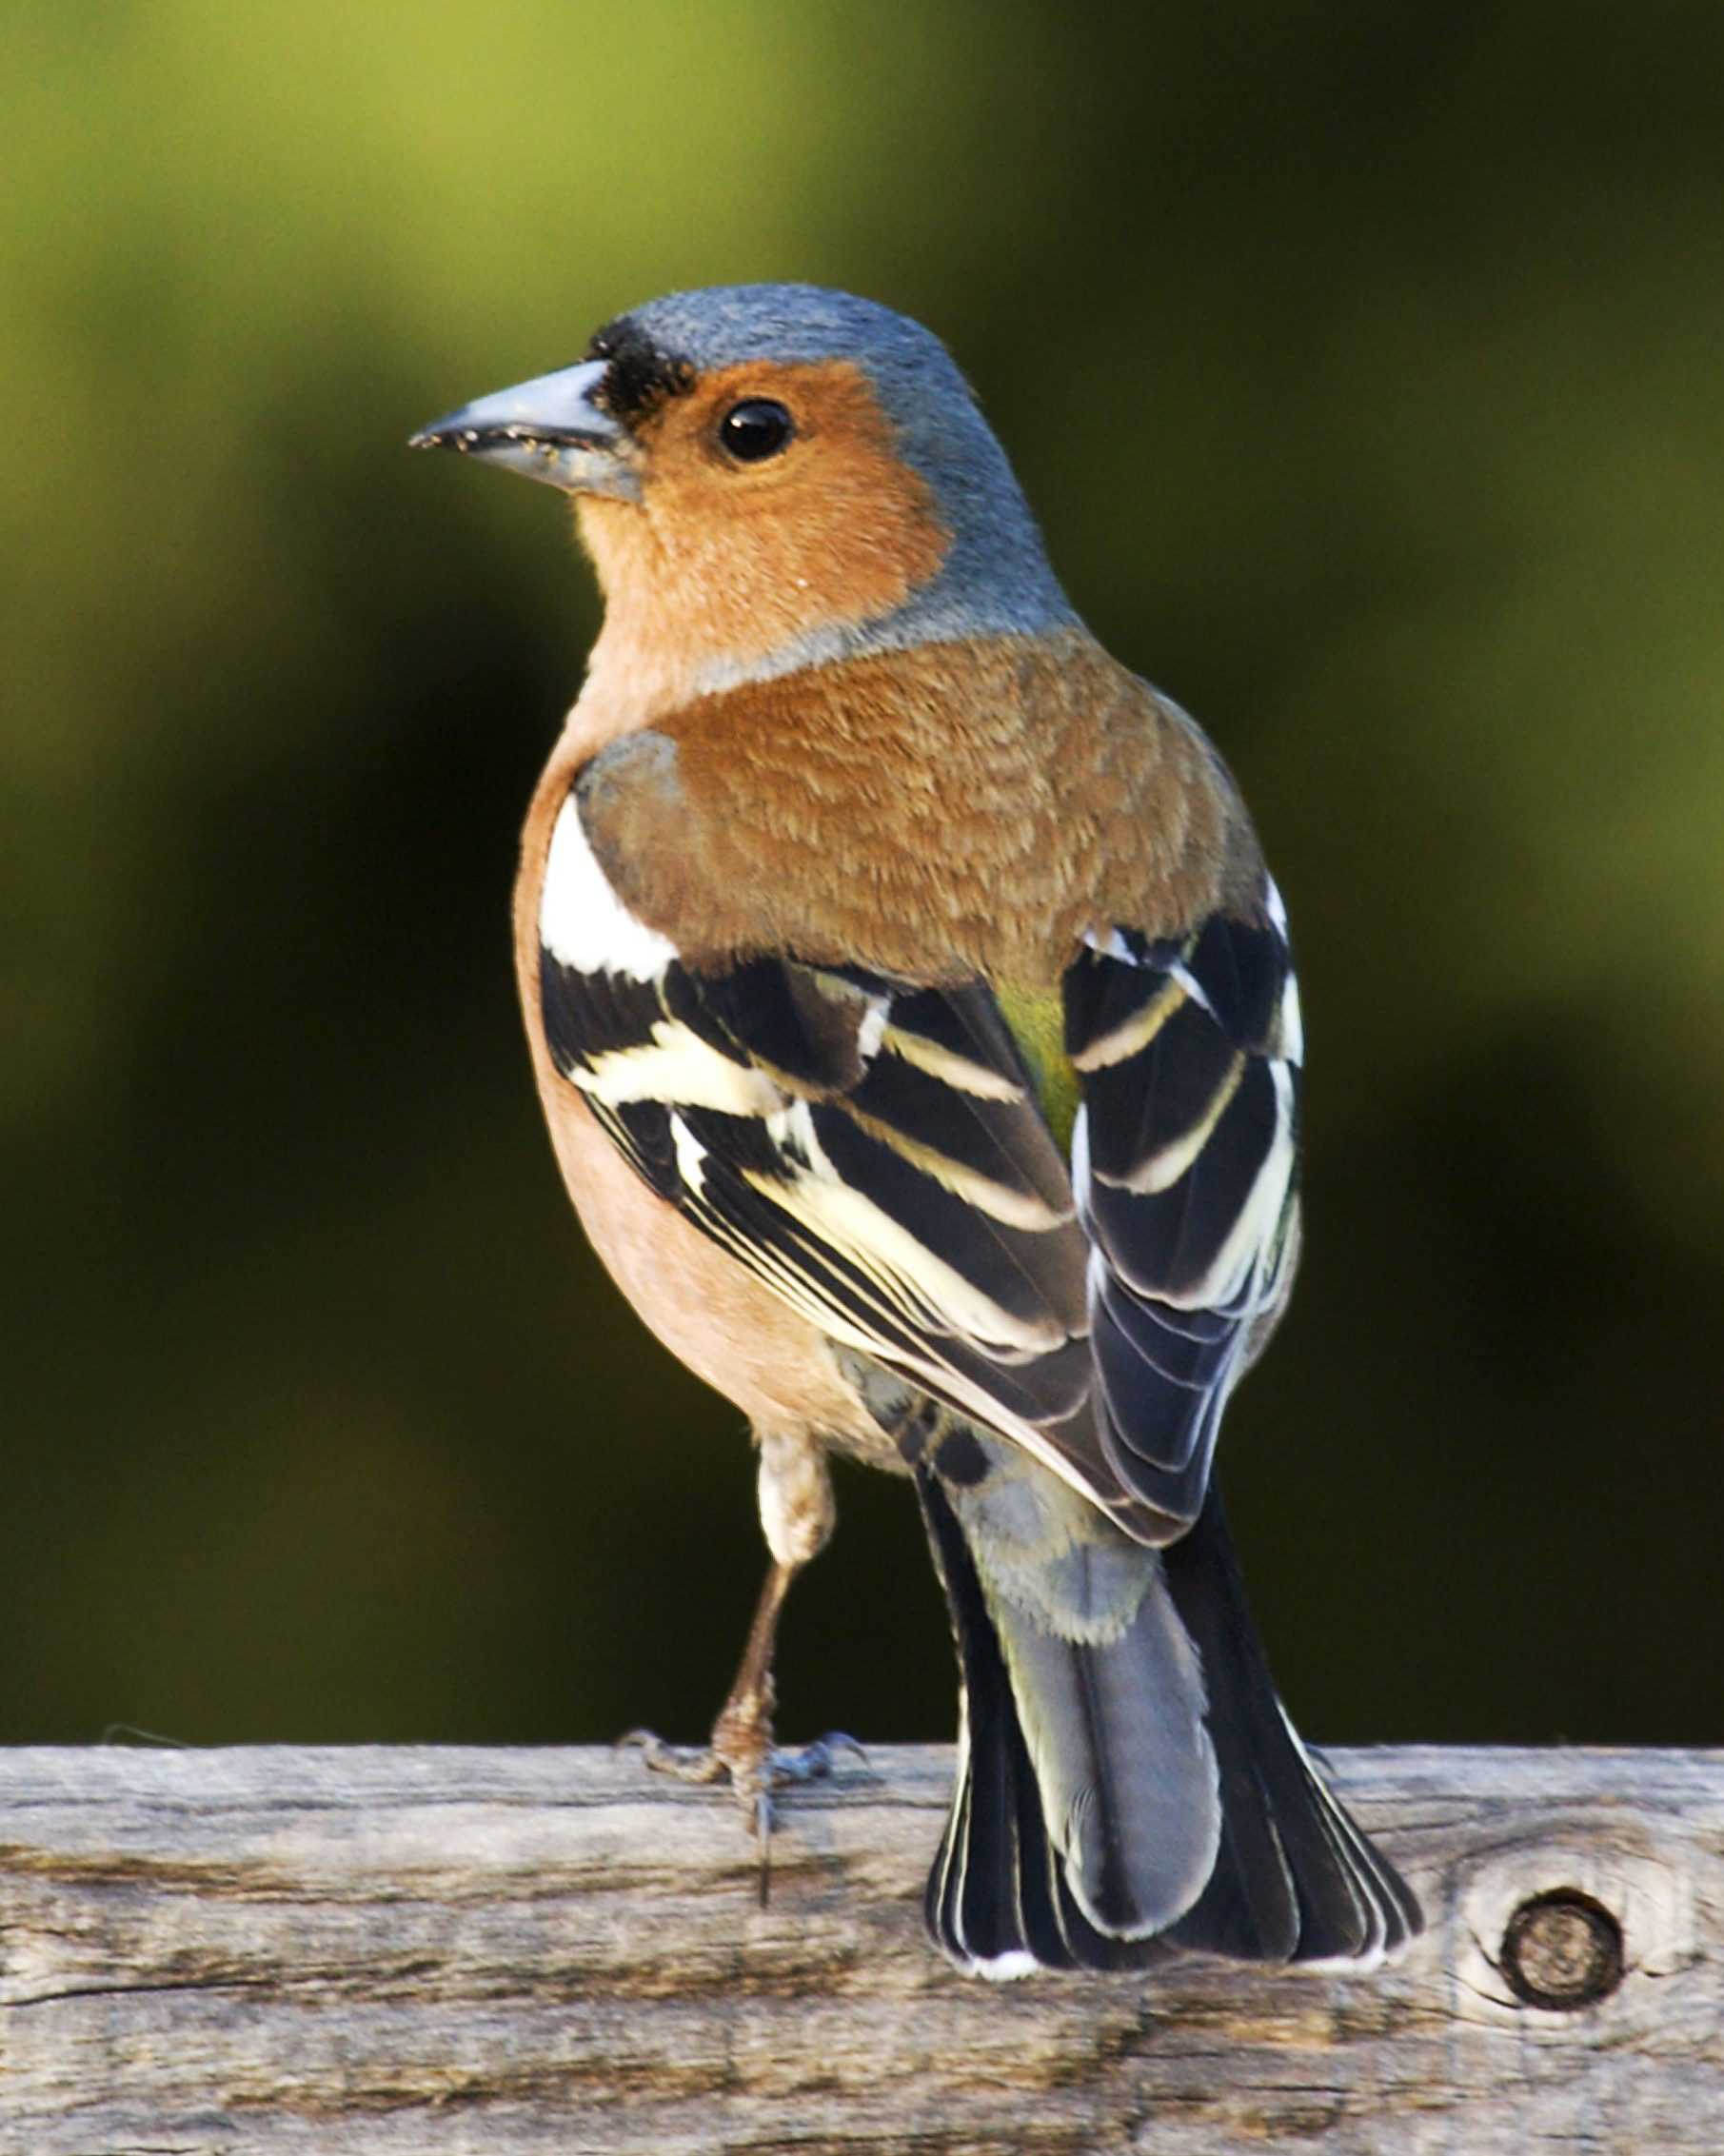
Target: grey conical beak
point(549, 429)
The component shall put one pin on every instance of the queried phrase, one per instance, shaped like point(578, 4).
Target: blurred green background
point(1364, 367)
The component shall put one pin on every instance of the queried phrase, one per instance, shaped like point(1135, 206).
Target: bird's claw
point(743, 1764)
point(752, 1765)
point(815, 1761)
point(685, 1762)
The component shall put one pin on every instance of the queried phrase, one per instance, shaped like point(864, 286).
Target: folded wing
point(1185, 1159)
point(881, 1154)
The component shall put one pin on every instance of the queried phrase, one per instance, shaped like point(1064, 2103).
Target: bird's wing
point(873, 1151)
point(882, 1153)
point(1185, 1159)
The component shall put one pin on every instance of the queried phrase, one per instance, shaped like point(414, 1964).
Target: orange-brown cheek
point(729, 567)
point(846, 534)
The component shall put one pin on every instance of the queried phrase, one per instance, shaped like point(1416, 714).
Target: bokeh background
point(1365, 367)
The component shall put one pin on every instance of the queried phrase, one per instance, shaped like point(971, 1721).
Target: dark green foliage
point(1362, 365)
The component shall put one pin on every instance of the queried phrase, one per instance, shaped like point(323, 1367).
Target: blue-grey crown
point(995, 579)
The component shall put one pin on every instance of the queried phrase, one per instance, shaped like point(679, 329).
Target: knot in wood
point(1562, 1950)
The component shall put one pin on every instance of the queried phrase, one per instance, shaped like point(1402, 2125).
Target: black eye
point(757, 428)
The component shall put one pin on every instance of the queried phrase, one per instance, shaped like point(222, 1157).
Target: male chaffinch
point(916, 1025)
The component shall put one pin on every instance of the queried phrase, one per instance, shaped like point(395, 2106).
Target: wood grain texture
point(407, 1951)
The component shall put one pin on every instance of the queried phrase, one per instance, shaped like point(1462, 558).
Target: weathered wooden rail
point(378, 1953)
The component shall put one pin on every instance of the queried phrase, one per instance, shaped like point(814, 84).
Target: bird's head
point(774, 474)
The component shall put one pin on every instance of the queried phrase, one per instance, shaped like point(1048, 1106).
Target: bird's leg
point(741, 1736)
point(797, 1512)
point(742, 1751)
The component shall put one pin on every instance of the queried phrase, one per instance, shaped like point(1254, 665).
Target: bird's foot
point(741, 1753)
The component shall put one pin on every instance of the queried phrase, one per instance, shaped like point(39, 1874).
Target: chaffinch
point(916, 1025)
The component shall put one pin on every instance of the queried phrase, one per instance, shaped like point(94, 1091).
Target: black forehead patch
point(642, 373)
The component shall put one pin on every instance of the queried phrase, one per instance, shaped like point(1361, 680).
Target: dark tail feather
point(997, 1899)
point(1293, 1878)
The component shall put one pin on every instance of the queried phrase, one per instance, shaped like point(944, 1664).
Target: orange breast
point(960, 808)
